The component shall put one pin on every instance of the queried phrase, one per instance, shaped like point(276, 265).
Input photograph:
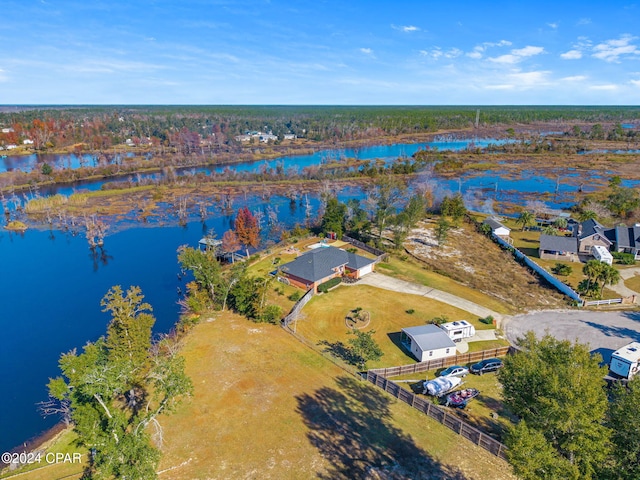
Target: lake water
point(51, 284)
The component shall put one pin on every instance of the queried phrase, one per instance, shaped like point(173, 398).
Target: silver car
point(454, 371)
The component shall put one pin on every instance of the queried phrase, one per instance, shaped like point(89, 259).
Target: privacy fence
point(295, 311)
point(439, 414)
point(381, 254)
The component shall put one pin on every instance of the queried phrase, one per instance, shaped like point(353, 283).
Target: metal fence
point(442, 362)
point(439, 414)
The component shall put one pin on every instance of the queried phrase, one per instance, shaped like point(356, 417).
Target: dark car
point(488, 365)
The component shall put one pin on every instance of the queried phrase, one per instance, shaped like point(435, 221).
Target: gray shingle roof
point(321, 262)
point(554, 243)
point(628, 237)
point(429, 337)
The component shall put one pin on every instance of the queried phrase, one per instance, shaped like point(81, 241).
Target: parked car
point(488, 365)
point(454, 371)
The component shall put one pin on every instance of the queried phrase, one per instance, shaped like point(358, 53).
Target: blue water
point(50, 289)
point(26, 163)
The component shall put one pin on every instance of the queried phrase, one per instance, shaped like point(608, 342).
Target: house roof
point(321, 262)
point(494, 223)
point(628, 237)
point(554, 243)
point(429, 337)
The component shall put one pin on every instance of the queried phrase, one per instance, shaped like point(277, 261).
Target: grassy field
point(633, 283)
point(48, 468)
point(267, 406)
point(486, 412)
point(471, 258)
point(412, 271)
point(323, 318)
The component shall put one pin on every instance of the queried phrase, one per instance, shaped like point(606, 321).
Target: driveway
point(604, 332)
point(389, 283)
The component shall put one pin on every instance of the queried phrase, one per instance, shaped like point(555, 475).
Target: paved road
point(605, 332)
point(389, 283)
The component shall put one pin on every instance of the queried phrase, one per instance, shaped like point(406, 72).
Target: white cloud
point(529, 79)
point(517, 54)
point(552, 25)
point(437, 52)
point(612, 50)
point(571, 55)
point(368, 52)
point(608, 87)
point(635, 82)
point(3, 76)
point(527, 51)
point(500, 87)
point(475, 54)
point(574, 78)
point(584, 21)
point(406, 28)
point(478, 50)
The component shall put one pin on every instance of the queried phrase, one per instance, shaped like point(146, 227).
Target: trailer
point(459, 330)
point(601, 253)
point(625, 361)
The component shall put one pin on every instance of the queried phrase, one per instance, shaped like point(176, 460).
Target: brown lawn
point(267, 406)
point(633, 283)
point(474, 260)
point(323, 318)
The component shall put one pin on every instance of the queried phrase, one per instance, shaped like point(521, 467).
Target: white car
point(454, 371)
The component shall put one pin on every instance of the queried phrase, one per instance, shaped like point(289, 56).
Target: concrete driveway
point(604, 332)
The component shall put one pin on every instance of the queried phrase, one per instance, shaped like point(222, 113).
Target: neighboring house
point(553, 247)
point(427, 342)
point(497, 228)
point(321, 264)
point(243, 138)
point(591, 233)
point(7, 130)
point(265, 137)
point(627, 240)
point(27, 141)
point(290, 136)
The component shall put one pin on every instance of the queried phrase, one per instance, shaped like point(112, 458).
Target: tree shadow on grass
point(351, 426)
point(341, 351)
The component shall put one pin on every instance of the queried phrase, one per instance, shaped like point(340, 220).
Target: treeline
point(186, 126)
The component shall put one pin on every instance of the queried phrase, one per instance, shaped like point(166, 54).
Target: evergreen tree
point(115, 401)
point(333, 219)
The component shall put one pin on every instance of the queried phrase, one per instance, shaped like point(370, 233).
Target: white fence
point(602, 302)
point(567, 290)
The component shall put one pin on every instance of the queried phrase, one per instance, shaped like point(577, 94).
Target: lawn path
point(389, 283)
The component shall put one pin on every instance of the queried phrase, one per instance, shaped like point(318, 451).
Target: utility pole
point(477, 117)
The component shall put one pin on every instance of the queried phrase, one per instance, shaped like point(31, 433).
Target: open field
point(473, 259)
point(267, 406)
point(323, 318)
point(411, 270)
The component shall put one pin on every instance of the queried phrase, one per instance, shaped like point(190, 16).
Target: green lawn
point(323, 318)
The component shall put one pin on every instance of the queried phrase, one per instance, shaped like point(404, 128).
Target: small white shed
point(601, 253)
point(427, 342)
point(497, 228)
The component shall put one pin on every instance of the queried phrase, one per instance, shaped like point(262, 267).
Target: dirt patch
point(476, 261)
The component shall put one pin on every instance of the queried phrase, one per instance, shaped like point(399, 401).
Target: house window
point(447, 351)
point(431, 353)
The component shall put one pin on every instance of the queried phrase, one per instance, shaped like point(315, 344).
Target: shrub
point(439, 320)
point(623, 258)
point(410, 311)
point(324, 288)
point(295, 296)
point(562, 269)
point(488, 320)
point(271, 314)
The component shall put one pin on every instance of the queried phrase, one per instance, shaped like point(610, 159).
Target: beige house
point(591, 233)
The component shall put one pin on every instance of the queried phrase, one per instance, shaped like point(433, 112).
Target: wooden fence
point(295, 311)
point(442, 362)
point(381, 254)
point(439, 414)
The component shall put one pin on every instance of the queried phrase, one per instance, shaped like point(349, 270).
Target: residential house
point(627, 240)
point(27, 141)
point(290, 136)
point(427, 342)
point(590, 233)
point(554, 247)
point(497, 228)
point(321, 264)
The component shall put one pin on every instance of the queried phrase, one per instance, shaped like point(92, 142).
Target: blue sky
point(319, 52)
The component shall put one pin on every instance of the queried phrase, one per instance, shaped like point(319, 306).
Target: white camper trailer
point(459, 330)
point(601, 253)
point(624, 361)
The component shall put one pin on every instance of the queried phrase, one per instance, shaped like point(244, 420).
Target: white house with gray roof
point(427, 342)
point(554, 247)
